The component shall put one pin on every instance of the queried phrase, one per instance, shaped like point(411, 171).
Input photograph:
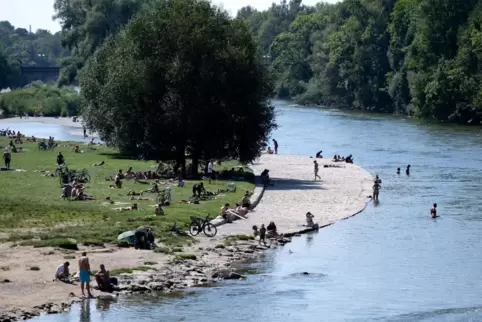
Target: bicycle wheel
point(86, 177)
point(194, 229)
point(210, 230)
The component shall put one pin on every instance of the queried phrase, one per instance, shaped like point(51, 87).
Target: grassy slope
point(31, 207)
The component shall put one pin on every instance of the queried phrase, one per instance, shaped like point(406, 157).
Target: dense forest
point(416, 57)
point(411, 57)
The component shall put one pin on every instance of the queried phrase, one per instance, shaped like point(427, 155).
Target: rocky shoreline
point(212, 264)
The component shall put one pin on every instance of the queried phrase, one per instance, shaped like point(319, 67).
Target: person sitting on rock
point(255, 231)
point(62, 273)
point(246, 201)
point(198, 189)
point(309, 219)
point(272, 230)
point(104, 281)
point(269, 151)
point(242, 210)
point(265, 177)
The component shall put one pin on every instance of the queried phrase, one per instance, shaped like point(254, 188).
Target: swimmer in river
point(378, 180)
point(398, 170)
point(433, 211)
point(376, 190)
point(407, 171)
point(318, 155)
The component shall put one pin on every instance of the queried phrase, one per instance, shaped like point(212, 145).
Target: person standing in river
point(433, 211)
point(407, 171)
point(398, 170)
point(275, 143)
point(316, 168)
point(376, 189)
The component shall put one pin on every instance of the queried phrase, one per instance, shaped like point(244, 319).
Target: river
point(390, 263)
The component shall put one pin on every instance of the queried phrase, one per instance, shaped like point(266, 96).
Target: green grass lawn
point(32, 212)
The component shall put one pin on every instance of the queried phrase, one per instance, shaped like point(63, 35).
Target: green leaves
point(181, 77)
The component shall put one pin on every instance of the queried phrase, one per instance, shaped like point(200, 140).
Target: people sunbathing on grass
point(130, 208)
point(198, 189)
point(76, 149)
point(159, 211)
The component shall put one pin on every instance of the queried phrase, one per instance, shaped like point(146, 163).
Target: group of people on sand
point(105, 282)
point(348, 159)
point(270, 232)
point(275, 145)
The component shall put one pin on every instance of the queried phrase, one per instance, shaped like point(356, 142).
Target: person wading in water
point(275, 143)
point(433, 211)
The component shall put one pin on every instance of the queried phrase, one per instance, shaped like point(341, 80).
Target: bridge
point(44, 74)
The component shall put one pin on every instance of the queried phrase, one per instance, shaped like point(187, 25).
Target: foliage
point(85, 26)
point(38, 98)
point(40, 48)
point(415, 57)
point(197, 87)
point(34, 212)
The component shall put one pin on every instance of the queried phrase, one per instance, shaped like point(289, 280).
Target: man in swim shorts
point(433, 211)
point(84, 274)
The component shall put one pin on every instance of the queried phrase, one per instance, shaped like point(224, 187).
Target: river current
point(390, 263)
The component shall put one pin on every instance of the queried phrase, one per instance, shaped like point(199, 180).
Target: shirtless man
point(102, 277)
point(275, 143)
point(316, 168)
point(84, 274)
point(433, 211)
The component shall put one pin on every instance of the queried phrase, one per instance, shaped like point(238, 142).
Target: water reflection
point(85, 310)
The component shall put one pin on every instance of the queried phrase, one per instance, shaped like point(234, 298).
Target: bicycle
point(83, 176)
point(198, 224)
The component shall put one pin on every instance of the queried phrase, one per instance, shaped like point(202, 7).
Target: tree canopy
point(416, 57)
point(85, 26)
point(181, 77)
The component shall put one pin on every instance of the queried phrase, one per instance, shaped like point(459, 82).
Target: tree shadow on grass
point(116, 155)
point(295, 184)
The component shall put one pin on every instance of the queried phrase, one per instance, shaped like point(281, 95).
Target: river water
point(390, 263)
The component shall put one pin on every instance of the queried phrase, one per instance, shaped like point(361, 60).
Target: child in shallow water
point(262, 234)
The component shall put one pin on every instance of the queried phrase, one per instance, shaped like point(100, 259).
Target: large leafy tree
point(182, 77)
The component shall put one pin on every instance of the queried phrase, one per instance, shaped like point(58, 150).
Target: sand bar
point(341, 193)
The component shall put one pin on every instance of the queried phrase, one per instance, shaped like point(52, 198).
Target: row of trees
point(417, 57)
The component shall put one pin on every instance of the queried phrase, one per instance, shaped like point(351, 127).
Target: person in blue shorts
point(84, 274)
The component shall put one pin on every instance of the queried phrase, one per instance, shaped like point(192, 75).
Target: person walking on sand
point(316, 168)
point(84, 274)
point(275, 143)
point(433, 211)
point(7, 158)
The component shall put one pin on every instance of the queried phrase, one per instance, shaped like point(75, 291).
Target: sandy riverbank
point(64, 121)
point(339, 194)
point(75, 128)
